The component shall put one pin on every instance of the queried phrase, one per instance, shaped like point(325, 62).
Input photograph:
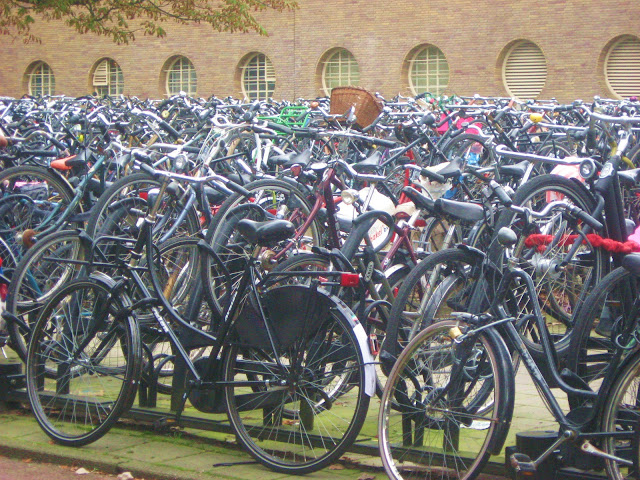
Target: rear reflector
point(349, 279)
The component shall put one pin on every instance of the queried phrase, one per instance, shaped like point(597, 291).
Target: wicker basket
point(367, 106)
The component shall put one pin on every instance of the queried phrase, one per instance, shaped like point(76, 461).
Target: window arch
point(428, 70)
point(339, 69)
point(180, 76)
point(524, 70)
point(41, 79)
point(107, 78)
point(258, 77)
point(622, 67)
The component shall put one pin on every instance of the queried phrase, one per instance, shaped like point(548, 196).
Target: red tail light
point(349, 279)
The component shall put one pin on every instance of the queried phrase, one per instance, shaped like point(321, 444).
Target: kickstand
point(183, 402)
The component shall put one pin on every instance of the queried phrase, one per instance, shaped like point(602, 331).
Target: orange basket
point(367, 106)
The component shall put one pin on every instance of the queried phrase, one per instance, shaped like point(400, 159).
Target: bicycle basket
point(288, 313)
point(367, 106)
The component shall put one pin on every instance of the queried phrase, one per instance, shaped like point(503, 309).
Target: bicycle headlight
point(587, 168)
point(348, 196)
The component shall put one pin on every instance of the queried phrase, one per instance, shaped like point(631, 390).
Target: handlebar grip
point(142, 156)
point(372, 125)
point(501, 193)
point(383, 142)
point(280, 128)
point(588, 219)
point(148, 169)
point(444, 120)
point(169, 129)
point(190, 149)
point(58, 144)
point(499, 115)
point(591, 138)
point(305, 132)
point(433, 175)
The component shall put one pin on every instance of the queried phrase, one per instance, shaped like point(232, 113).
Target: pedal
point(523, 465)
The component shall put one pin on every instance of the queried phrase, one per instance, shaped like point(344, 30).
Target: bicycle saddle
point(631, 263)
point(419, 200)
point(266, 233)
point(292, 158)
point(517, 170)
point(453, 169)
point(369, 164)
point(470, 212)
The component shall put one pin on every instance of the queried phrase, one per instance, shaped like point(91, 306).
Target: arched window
point(41, 80)
point(108, 78)
point(258, 77)
point(181, 77)
point(524, 70)
point(428, 71)
point(622, 67)
point(339, 69)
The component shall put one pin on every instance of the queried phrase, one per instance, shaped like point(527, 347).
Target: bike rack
point(12, 390)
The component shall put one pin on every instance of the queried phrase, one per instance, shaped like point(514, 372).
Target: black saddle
point(290, 159)
point(517, 170)
point(266, 233)
point(454, 169)
point(465, 211)
point(369, 164)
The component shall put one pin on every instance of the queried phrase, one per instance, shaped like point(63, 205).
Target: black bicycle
point(289, 365)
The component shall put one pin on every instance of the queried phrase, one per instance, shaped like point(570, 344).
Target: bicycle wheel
point(376, 318)
point(120, 209)
point(432, 423)
point(299, 411)
point(437, 286)
point(96, 356)
point(605, 311)
point(620, 414)
point(269, 199)
point(177, 271)
point(47, 266)
point(470, 147)
point(433, 235)
point(32, 199)
point(560, 290)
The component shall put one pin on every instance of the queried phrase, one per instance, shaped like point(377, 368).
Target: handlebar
point(579, 213)
point(504, 151)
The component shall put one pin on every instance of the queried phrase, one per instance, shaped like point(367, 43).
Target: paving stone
point(159, 452)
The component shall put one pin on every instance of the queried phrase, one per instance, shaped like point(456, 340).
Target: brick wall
point(473, 35)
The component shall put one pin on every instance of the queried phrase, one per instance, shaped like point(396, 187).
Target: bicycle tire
point(120, 208)
point(45, 268)
point(407, 316)
point(40, 196)
point(425, 421)
point(330, 352)
point(269, 198)
point(620, 413)
point(560, 292)
point(374, 326)
point(177, 270)
point(96, 354)
point(604, 310)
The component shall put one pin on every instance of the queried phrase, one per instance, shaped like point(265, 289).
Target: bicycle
point(449, 398)
point(276, 372)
